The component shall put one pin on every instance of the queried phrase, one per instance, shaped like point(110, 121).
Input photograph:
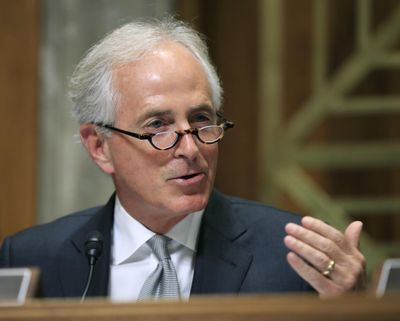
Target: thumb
point(353, 233)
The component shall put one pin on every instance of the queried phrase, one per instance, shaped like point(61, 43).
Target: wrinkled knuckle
point(321, 261)
point(327, 246)
point(349, 282)
point(315, 278)
point(337, 238)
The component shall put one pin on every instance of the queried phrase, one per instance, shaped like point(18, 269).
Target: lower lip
point(191, 181)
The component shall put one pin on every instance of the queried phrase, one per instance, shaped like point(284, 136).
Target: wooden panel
point(255, 308)
point(231, 30)
point(18, 106)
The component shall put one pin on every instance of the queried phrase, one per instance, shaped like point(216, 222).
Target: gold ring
point(329, 268)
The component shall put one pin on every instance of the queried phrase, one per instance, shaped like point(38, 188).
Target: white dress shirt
point(132, 260)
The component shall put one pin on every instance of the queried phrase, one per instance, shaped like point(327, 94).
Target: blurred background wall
point(67, 180)
point(312, 86)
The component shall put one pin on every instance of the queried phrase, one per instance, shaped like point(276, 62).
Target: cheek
point(211, 156)
point(135, 158)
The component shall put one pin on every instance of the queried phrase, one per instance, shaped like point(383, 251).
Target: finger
point(353, 233)
point(322, 228)
point(315, 240)
point(324, 286)
point(316, 258)
point(349, 269)
point(336, 236)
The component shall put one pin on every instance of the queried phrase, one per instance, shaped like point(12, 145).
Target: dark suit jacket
point(240, 250)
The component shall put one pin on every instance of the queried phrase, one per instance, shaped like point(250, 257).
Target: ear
point(97, 147)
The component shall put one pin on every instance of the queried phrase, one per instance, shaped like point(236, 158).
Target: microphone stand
point(93, 249)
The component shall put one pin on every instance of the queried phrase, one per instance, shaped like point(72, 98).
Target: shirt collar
point(129, 234)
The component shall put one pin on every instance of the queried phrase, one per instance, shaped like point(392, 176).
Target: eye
point(157, 125)
point(201, 119)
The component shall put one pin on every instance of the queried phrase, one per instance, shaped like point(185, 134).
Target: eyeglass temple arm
point(139, 136)
point(226, 123)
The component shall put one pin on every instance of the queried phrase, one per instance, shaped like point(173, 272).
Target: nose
point(187, 147)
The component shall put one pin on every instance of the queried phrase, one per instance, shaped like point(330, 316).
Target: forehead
point(167, 76)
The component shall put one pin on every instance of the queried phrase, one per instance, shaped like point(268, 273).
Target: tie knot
point(159, 245)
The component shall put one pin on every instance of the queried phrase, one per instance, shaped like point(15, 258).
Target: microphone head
point(94, 245)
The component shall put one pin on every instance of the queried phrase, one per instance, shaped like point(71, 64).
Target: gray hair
point(91, 86)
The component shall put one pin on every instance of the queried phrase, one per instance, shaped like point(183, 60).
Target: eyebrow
point(158, 112)
point(153, 113)
point(202, 107)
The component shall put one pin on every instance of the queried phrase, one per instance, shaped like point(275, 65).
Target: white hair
point(92, 92)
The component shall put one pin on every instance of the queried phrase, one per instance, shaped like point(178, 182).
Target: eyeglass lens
point(208, 135)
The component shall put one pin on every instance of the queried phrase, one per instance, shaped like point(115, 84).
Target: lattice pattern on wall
point(286, 157)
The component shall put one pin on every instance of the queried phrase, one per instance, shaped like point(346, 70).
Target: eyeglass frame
point(226, 124)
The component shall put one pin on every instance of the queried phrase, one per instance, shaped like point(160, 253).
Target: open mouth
point(189, 176)
point(190, 180)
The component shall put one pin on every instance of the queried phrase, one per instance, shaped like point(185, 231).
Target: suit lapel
point(73, 264)
point(221, 264)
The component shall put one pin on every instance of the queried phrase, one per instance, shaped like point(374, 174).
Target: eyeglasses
point(210, 134)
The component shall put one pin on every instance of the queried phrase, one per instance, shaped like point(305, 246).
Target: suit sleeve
point(5, 250)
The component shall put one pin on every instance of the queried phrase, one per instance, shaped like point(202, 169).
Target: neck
point(157, 221)
point(160, 226)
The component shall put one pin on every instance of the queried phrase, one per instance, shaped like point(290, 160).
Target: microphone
point(93, 250)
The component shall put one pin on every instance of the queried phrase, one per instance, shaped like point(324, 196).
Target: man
point(148, 102)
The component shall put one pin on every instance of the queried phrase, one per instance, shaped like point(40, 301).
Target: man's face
point(166, 90)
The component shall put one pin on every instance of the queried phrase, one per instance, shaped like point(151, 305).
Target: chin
point(191, 203)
